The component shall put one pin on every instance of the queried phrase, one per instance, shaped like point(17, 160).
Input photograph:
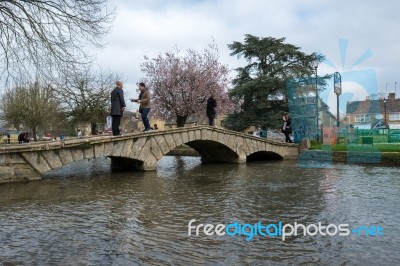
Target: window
point(362, 118)
point(394, 117)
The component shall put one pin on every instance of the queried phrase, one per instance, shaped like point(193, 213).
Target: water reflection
point(84, 214)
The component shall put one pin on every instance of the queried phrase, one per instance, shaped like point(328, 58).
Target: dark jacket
point(211, 105)
point(288, 128)
point(117, 101)
point(144, 98)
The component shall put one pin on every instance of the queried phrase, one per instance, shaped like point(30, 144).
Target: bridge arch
point(213, 151)
point(263, 155)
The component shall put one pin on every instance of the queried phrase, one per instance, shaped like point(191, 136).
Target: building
point(374, 114)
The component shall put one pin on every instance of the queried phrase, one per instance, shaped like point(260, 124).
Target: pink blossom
point(181, 85)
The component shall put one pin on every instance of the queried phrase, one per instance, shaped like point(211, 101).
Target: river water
point(83, 214)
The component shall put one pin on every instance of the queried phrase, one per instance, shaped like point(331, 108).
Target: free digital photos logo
point(280, 229)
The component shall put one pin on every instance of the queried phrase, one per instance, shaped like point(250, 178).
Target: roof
point(373, 106)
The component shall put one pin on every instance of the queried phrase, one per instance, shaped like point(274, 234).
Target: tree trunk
point(93, 128)
point(180, 120)
point(34, 134)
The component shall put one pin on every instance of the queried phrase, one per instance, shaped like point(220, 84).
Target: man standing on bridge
point(211, 112)
point(117, 107)
point(144, 105)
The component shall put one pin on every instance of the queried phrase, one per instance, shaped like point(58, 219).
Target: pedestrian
point(287, 127)
point(211, 112)
point(117, 107)
point(8, 138)
point(144, 105)
point(155, 127)
point(21, 138)
point(27, 137)
point(79, 133)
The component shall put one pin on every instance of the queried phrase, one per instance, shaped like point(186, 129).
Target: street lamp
point(384, 106)
point(315, 65)
point(337, 84)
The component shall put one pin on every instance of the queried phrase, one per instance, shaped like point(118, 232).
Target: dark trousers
point(211, 120)
point(144, 113)
point(116, 120)
point(287, 137)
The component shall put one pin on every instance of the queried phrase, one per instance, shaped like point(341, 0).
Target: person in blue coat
point(117, 107)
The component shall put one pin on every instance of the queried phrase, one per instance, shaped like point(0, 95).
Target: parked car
point(394, 136)
point(48, 137)
point(260, 134)
point(271, 135)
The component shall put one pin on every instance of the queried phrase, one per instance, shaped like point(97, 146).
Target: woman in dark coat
point(287, 127)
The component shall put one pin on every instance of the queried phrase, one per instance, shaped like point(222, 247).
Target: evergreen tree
point(259, 90)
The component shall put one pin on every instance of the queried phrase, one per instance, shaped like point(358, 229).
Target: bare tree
point(85, 95)
point(39, 37)
point(31, 105)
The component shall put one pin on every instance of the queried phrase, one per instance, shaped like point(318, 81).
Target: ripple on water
point(84, 214)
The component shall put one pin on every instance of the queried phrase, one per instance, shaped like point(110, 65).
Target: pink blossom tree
point(181, 85)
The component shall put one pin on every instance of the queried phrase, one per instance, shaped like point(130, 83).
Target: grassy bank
point(389, 153)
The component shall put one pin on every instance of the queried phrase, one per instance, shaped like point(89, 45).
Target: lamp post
point(384, 106)
point(315, 65)
point(337, 84)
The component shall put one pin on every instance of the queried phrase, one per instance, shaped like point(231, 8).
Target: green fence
point(369, 136)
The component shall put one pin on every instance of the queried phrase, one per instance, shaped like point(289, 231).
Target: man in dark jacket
point(117, 107)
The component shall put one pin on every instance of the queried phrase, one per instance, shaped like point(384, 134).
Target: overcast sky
point(359, 38)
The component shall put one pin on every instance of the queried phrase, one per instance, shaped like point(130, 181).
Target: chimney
point(392, 96)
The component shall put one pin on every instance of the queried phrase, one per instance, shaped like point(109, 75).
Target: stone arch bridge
point(137, 150)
